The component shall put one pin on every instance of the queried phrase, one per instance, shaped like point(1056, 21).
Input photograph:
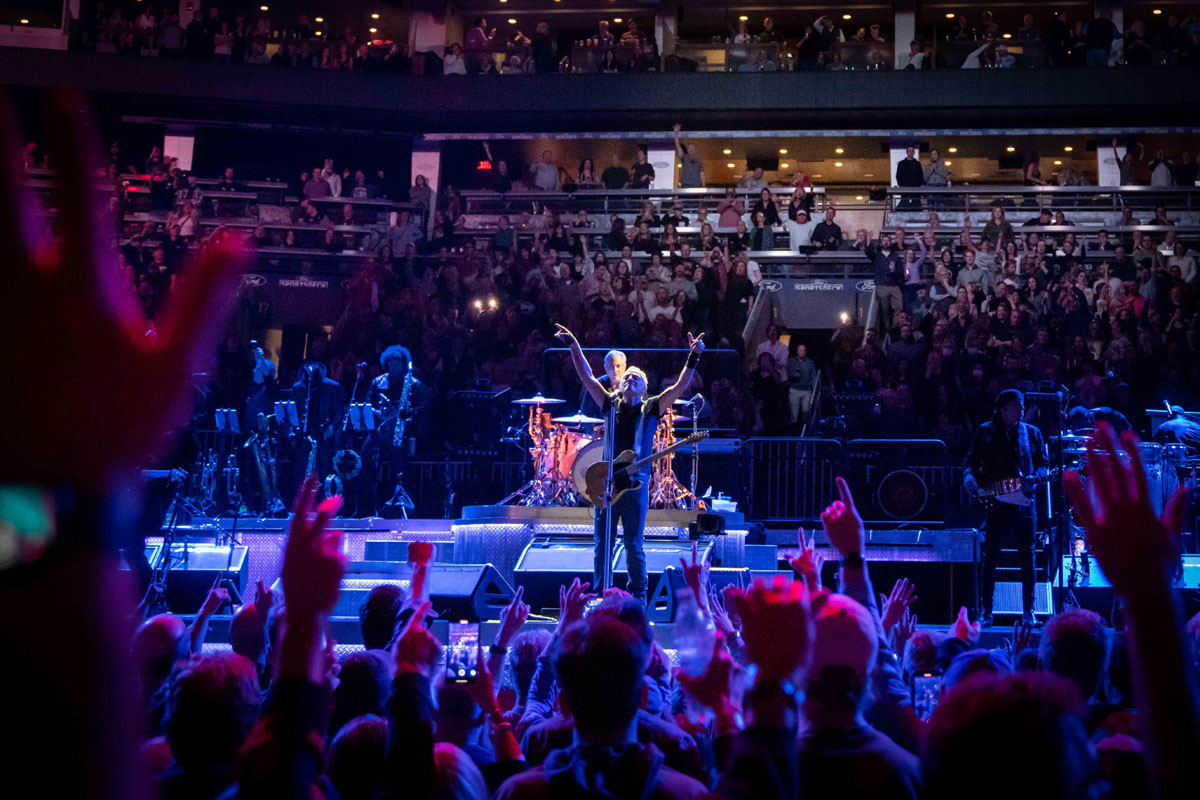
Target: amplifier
point(662, 605)
point(393, 550)
point(193, 569)
point(661, 555)
point(549, 562)
point(458, 591)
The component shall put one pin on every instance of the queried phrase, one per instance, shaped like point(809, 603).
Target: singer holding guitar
point(1006, 460)
point(636, 421)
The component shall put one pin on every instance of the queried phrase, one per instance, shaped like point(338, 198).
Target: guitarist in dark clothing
point(636, 421)
point(1006, 448)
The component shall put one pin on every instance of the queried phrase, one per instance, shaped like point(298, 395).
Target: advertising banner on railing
point(817, 302)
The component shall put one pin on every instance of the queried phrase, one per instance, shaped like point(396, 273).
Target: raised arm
point(593, 387)
point(678, 147)
point(696, 345)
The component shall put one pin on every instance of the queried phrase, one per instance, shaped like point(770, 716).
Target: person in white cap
point(839, 749)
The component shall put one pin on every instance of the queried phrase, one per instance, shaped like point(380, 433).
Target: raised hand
point(776, 627)
point(417, 650)
point(572, 601)
point(420, 552)
point(128, 390)
point(893, 607)
point(483, 690)
point(964, 629)
point(696, 343)
point(1023, 637)
point(215, 599)
point(676, 127)
point(808, 564)
point(842, 522)
point(512, 618)
point(696, 577)
point(563, 334)
point(264, 600)
point(313, 564)
point(1135, 548)
point(903, 632)
point(721, 618)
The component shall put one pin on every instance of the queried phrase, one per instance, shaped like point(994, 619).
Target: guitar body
point(597, 476)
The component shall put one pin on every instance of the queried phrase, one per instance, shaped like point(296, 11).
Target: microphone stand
point(606, 575)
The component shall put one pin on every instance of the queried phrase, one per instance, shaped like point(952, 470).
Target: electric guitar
point(625, 466)
point(1013, 491)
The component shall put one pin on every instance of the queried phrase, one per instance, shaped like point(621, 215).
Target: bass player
point(1004, 449)
point(636, 421)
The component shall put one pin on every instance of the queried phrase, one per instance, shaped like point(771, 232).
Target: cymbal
point(577, 419)
point(537, 400)
point(678, 418)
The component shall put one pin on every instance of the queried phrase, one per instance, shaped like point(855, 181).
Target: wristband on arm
point(692, 360)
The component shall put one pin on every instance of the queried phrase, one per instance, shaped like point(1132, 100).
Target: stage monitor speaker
point(194, 568)
point(662, 601)
point(394, 550)
point(472, 592)
point(660, 556)
point(549, 562)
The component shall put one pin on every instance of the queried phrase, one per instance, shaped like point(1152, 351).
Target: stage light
point(839, 150)
point(1057, 163)
point(374, 16)
point(731, 165)
point(316, 33)
point(1006, 36)
point(845, 16)
point(948, 163)
point(24, 22)
point(1068, 149)
point(512, 22)
point(844, 317)
point(727, 151)
point(492, 304)
point(264, 8)
point(1010, 148)
point(950, 15)
point(1156, 11)
point(837, 163)
point(784, 165)
point(372, 30)
point(783, 151)
point(320, 19)
point(743, 18)
point(952, 150)
point(618, 19)
point(858, 197)
point(478, 305)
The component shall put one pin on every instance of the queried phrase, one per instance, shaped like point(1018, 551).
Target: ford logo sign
point(771, 286)
point(865, 286)
point(251, 279)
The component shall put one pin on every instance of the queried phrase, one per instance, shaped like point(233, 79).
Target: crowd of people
point(827, 43)
point(957, 316)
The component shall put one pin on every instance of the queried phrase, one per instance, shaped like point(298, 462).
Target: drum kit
point(562, 449)
point(1167, 466)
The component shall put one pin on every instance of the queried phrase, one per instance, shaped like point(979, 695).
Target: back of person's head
point(247, 635)
point(624, 608)
point(523, 653)
point(1031, 721)
point(599, 664)
point(157, 645)
point(973, 662)
point(455, 775)
point(456, 714)
point(1075, 645)
point(357, 757)
point(1118, 677)
point(364, 684)
point(212, 704)
point(377, 615)
point(920, 653)
point(843, 654)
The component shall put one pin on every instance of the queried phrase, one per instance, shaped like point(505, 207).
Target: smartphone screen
point(462, 649)
point(926, 688)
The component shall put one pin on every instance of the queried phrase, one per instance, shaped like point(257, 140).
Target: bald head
point(247, 634)
point(157, 645)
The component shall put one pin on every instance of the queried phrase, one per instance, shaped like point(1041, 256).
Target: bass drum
point(592, 453)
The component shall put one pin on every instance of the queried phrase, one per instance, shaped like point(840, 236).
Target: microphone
point(361, 365)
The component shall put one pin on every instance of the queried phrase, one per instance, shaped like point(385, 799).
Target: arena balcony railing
point(1078, 199)
point(604, 201)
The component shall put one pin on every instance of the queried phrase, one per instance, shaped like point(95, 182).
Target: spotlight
point(374, 16)
point(837, 163)
point(264, 8)
point(727, 151)
point(320, 19)
point(492, 304)
point(372, 30)
point(844, 317)
point(839, 150)
point(731, 165)
point(783, 151)
point(952, 150)
point(1010, 149)
point(1068, 149)
point(743, 18)
point(784, 165)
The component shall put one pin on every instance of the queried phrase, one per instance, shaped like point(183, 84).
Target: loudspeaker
point(458, 591)
point(392, 550)
point(660, 556)
point(549, 562)
point(942, 586)
point(662, 601)
point(194, 568)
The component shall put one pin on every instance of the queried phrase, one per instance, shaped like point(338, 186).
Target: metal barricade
point(791, 479)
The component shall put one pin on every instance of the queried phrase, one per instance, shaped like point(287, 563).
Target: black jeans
point(630, 510)
point(1005, 520)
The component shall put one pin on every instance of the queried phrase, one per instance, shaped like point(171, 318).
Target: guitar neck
point(666, 451)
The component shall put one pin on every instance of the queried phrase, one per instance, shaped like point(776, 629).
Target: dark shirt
point(614, 178)
point(588, 406)
point(860, 762)
point(999, 452)
point(643, 175)
point(629, 420)
point(889, 267)
point(1100, 33)
point(909, 173)
point(827, 235)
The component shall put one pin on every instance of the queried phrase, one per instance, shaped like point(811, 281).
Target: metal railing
point(1095, 198)
point(791, 478)
point(611, 201)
